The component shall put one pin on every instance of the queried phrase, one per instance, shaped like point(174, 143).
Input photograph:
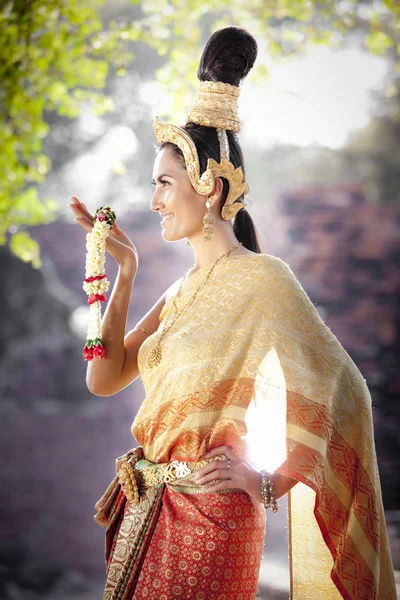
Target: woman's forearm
point(282, 484)
point(101, 372)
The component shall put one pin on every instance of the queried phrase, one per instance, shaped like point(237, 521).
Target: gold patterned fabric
point(253, 365)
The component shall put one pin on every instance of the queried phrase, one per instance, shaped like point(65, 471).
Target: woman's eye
point(163, 182)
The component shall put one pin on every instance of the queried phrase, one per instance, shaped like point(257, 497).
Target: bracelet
point(267, 492)
point(142, 329)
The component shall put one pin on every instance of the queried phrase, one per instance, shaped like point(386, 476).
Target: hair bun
point(228, 56)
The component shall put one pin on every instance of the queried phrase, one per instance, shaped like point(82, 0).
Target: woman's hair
point(228, 56)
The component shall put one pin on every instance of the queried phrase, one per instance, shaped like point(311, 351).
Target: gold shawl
point(252, 364)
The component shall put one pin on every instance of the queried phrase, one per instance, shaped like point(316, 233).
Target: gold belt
point(135, 477)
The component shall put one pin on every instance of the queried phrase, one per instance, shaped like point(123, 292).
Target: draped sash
point(128, 530)
point(251, 364)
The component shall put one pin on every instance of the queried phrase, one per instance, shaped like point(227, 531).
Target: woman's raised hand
point(118, 244)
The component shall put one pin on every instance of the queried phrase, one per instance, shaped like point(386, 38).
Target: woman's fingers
point(82, 216)
point(82, 208)
point(216, 465)
point(216, 469)
point(221, 485)
point(227, 450)
point(84, 223)
point(77, 210)
point(215, 476)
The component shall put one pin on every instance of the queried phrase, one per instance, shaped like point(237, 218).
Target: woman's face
point(175, 195)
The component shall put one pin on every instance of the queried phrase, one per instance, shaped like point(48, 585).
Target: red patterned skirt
point(174, 545)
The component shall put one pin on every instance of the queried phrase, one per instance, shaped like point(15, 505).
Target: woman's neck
point(221, 242)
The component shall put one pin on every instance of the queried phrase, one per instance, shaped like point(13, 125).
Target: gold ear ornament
point(208, 223)
point(236, 185)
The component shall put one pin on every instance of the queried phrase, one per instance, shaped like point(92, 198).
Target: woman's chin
point(171, 237)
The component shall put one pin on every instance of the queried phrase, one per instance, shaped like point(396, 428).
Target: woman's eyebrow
point(161, 176)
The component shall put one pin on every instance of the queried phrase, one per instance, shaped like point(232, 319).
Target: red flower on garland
point(95, 297)
point(87, 353)
point(95, 278)
point(99, 352)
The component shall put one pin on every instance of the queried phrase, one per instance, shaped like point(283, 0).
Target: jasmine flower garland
point(96, 283)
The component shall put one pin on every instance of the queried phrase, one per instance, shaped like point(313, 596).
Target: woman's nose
point(157, 201)
point(154, 204)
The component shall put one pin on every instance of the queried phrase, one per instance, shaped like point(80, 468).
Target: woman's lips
point(166, 218)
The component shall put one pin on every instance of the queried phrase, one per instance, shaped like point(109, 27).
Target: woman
point(234, 346)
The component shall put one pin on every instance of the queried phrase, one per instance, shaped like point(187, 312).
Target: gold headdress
point(215, 106)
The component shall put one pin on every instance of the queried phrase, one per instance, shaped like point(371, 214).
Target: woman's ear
point(216, 194)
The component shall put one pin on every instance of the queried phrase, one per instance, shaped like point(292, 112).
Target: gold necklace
point(154, 357)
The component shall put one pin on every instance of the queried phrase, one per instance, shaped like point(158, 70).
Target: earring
point(187, 241)
point(208, 223)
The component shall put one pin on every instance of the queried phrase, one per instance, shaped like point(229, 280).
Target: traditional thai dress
point(250, 364)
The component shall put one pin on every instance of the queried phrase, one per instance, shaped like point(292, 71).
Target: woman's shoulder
point(260, 256)
point(267, 264)
point(268, 271)
point(277, 269)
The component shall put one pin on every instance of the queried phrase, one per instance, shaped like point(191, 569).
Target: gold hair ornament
point(204, 184)
point(216, 106)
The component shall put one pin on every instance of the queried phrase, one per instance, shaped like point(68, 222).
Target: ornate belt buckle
point(167, 473)
point(182, 469)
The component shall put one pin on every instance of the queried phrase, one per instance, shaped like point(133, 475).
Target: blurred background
point(80, 83)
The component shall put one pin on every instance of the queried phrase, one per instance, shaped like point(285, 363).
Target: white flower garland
point(96, 283)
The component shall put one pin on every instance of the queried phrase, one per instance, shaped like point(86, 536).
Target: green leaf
point(25, 248)
point(378, 42)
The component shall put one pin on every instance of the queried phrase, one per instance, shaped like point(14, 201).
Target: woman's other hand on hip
point(231, 473)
